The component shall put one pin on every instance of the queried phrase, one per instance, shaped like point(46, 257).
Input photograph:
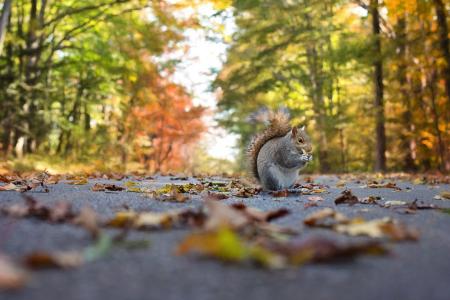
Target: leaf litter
point(376, 228)
point(241, 234)
point(235, 233)
point(12, 276)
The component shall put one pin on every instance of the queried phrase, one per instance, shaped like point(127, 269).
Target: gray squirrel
point(278, 153)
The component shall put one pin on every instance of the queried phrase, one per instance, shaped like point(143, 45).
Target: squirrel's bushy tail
point(278, 126)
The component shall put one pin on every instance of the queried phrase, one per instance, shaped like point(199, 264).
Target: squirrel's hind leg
point(269, 178)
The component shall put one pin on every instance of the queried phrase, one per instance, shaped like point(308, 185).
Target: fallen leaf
point(10, 187)
point(44, 260)
point(223, 243)
point(418, 181)
point(12, 277)
point(321, 249)
point(59, 212)
point(130, 184)
point(215, 196)
point(388, 185)
point(346, 197)
point(310, 204)
point(258, 215)
point(414, 206)
point(281, 193)
point(98, 187)
point(394, 203)
point(81, 181)
point(173, 195)
point(370, 200)
point(246, 192)
point(220, 215)
point(149, 220)
point(378, 228)
point(226, 245)
point(88, 219)
point(101, 247)
point(341, 183)
point(179, 178)
point(315, 198)
point(4, 179)
point(182, 188)
point(135, 190)
point(326, 217)
point(443, 195)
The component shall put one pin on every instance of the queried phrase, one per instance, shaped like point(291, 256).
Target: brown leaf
point(155, 220)
point(80, 181)
point(326, 217)
point(4, 179)
point(11, 276)
point(310, 204)
point(321, 249)
point(259, 215)
point(9, 187)
point(246, 192)
point(399, 232)
point(88, 219)
point(315, 198)
point(60, 212)
point(388, 185)
point(281, 193)
point(215, 196)
point(341, 183)
point(370, 200)
point(44, 260)
point(443, 195)
point(378, 228)
point(100, 187)
point(173, 196)
point(415, 205)
point(346, 197)
point(220, 215)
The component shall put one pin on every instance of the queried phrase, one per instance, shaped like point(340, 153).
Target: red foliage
point(167, 124)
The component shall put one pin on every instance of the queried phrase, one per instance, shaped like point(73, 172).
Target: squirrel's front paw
point(306, 157)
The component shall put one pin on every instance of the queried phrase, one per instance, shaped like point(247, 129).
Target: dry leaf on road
point(346, 197)
point(11, 276)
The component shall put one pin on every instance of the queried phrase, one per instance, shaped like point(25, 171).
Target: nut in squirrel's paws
point(306, 157)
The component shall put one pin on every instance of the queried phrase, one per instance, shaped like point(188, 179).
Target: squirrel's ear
point(303, 128)
point(294, 132)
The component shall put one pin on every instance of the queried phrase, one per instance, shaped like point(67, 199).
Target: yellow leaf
point(79, 182)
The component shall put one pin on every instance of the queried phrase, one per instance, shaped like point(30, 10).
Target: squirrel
point(278, 153)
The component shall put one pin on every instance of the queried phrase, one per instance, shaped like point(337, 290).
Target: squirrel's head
point(301, 140)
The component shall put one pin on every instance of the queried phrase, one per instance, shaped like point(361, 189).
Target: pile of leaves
point(240, 234)
point(34, 181)
point(233, 233)
point(377, 228)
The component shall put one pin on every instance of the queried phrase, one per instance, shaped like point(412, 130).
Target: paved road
point(415, 270)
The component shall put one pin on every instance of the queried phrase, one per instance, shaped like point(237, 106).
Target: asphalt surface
point(414, 270)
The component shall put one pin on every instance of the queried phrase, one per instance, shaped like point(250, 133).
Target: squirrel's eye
point(300, 140)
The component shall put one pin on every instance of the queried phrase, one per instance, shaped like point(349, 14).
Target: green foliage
point(73, 73)
point(316, 58)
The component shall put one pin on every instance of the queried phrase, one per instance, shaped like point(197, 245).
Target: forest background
point(95, 85)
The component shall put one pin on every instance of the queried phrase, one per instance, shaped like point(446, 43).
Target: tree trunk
point(4, 21)
point(380, 151)
point(406, 134)
point(441, 147)
point(444, 45)
point(316, 92)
